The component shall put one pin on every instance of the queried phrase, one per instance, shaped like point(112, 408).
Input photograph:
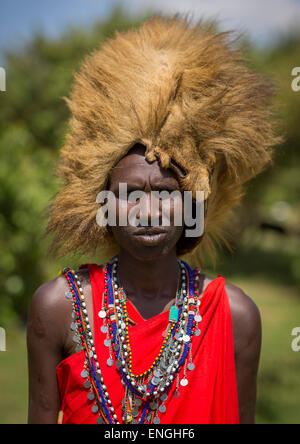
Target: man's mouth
point(151, 236)
point(149, 231)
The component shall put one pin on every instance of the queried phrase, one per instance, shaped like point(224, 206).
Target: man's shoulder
point(246, 322)
point(50, 297)
point(49, 293)
point(52, 293)
point(243, 308)
point(241, 305)
point(246, 319)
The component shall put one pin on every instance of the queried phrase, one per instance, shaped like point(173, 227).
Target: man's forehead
point(136, 173)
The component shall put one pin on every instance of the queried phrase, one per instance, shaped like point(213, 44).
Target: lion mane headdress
point(183, 91)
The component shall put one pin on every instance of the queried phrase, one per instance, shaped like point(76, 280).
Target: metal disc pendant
point(84, 374)
point(138, 402)
point(184, 382)
point(156, 420)
point(155, 381)
point(176, 394)
point(100, 420)
point(102, 314)
point(162, 409)
point(110, 362)
point(191, 366)
point(69, 295)
point(186, 338)
point(163, 366)
point(153, 405)
point(169, 369)
point(118, 364)
point(107, 342)
point(164, 397)
point(87, 385)
point(157, 373)
point(198, 318)
point(104, 329)
point(95, 409)
point(134, 421)
point(197, 332)
point(91, 396)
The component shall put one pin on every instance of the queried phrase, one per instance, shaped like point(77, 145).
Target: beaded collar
point(145, 393)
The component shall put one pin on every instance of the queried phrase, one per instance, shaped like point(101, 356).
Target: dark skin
point(49, 336)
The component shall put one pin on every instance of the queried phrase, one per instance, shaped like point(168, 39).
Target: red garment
point(211, 394)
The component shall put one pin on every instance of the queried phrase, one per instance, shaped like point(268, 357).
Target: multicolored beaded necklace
point(145, 393)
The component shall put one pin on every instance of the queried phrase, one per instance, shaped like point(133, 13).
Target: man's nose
point(150, 210)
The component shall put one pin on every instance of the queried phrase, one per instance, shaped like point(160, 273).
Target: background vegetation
point(266, 261)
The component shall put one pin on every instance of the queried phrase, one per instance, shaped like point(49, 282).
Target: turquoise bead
point(174, 314)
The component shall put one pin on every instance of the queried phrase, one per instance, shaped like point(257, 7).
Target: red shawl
point(211, 394)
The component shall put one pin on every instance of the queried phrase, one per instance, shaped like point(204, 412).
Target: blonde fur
point(186, 93)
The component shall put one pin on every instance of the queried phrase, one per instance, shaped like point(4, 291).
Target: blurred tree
point(272, 199)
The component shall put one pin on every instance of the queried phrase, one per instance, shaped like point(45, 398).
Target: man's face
point(142, 241)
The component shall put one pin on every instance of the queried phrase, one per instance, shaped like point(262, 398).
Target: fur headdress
point(185, 93)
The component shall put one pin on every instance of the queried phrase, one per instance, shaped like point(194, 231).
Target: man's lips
point(150, 231)
point(150, 237)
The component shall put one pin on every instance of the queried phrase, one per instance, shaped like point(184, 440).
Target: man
point(167, 107)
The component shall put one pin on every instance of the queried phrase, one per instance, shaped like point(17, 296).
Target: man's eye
point(167, 189)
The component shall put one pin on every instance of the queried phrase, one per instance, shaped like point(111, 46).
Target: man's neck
point(150, 285)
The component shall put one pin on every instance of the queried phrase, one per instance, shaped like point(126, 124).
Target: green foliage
point(282, 182)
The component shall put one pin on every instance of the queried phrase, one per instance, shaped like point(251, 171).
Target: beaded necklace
point(145, 393)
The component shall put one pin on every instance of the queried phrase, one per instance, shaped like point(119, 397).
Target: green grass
point(13, 379)
point(279, 382)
